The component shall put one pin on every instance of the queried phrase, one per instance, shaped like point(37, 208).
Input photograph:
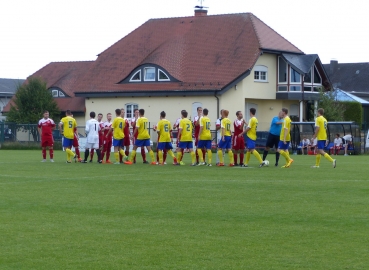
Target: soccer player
point(76, 144)
point(218, 128)
point(101, 136)
point(126, 140)
point(196, 123)
point(238, 141)
point(67, 126)
point(251, 138)
point(273, 136)
point(348, 141)
point(165, 151)
point(108, 140)
point(45, 129)
point(164, 129)
point(117, 128)
point(204, 138)
point(185, 135)
point(133, 124)
point(143, 136)
point(226, 140)
point(321, 135)
point(285, 138)
point(176, 126)
point(92, 141)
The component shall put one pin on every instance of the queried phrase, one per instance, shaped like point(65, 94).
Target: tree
point(31, 100)
point(333, 109)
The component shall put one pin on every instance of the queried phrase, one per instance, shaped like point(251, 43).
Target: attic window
point(55, 93)
point(136, 77)
point(149, 74)
point(61, 94)
point(162, 76)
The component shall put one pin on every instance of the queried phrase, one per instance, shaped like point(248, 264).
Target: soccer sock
point(277, 157)
point(200, 156)
point(235, 157)
point(160, 153)
point(165, 152)
point(182, 151)
point(143, 154)
point(69, 154)
point(121, 152)
point(92, 154)
point(197, 155)
point(285, 155)
point(193, 157)
point(265, 154)
point(126, 152)
point(170, 152)
point(231, 157)
point(242, 155)
point(116, 155)
point(151, 153)
point(87, 152)
point(51, 152)
point(248, 155)
point(133, 155)
point(328, 157)
point(44, 153)
point(102, 154)
point(203, 155)
point(157, 155)
point(179, 155)
point(210, 155)
point(257, 155)
point(120, 157)
point(220, 155)
point(317, 159)
point(98, 152)
point(78, 153)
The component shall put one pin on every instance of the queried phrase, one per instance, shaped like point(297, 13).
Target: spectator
point(305, 143)
point(348, 141)
point(337, 144)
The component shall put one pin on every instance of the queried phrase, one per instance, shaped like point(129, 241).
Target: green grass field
point(100, 216)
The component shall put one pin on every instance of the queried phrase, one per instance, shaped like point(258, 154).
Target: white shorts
point(92, 145)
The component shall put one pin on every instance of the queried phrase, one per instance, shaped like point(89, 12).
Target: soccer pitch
point(101, 216)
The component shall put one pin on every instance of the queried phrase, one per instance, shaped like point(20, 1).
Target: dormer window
point(61, 94)
point(55, 93)
point(149, 74)
point(162, 76)
point(136, 77)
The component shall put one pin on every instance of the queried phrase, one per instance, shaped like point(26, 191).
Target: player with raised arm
point(225, 143)
point(164, 128)
point(273, 136)
point(117, 128)
point(67, 126)
point(251, 138)
point(185, 135)
point(285, 138)
point(238, 144)
point(321, 135)
point(143, 136)
point(196, 124)
point(108, 140)
point(45, 128)
point(101, 136)
point(204, 138)
point(133, 124)
point(92, 141)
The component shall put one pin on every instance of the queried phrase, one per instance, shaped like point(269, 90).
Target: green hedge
point(25, 146)
point(353, 112)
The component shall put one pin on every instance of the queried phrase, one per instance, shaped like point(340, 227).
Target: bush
point(353, 112)
point(26, 146)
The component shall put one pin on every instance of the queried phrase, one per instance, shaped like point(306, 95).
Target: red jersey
point(107, 126)
point(47, 126)
point(126, 129)
point(238, 127)
point(196, 119)
point(176, 126)
point(133, 124)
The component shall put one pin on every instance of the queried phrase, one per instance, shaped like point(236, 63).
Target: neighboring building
point(232, 61)
point(8, 88)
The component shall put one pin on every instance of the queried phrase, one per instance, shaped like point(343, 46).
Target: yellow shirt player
point(118, 126)
point(204, 138)
point(143, 136)
point(284, 138)
point(253, 126)
point(225, 142)
point(321, 135)
point(185, 138)
point(164, 128)
point(67, 126)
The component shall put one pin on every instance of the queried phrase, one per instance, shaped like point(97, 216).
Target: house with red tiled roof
point(231, 61)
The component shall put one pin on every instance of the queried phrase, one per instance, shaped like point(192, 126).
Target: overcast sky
point(34, 33)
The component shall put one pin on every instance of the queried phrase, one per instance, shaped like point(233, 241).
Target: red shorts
point(238, 143)
point(75, 142)
point(47, 141)
point(126, 141)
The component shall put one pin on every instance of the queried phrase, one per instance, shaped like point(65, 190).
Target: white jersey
point(219, 132)
point(92, 130)
point(176, 124)
point(347, 137)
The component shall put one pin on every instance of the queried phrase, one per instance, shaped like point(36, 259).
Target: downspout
point(215, 95)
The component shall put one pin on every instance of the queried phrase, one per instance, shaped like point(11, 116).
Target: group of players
point(101, 136)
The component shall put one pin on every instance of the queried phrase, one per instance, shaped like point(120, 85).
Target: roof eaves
point(209, 92)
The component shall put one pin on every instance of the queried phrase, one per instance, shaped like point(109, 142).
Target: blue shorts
point(283, 146)
point(250, 143)
point(142, 143)
point(117, 142)
point(226, 144)
point(321, 144)
point(185, 145)
point(204, 144)
point(67, 142)
point(165, 145)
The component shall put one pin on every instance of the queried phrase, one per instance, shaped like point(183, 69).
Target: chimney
point(333, 67)
point(201, 12)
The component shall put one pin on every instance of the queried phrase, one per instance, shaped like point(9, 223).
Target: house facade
point(8, 88)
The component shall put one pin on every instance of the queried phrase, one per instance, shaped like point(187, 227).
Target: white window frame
point(55, 93)
point(138, 71)
point(61, 94)
point(280, 58)
point(162, 80)
point(294, 85)
point(132, 108)
point(144, 77)
point(261, 69)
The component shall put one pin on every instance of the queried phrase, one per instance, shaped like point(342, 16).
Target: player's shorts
point(75, 142)
point(272, 141)
point(250, 143)
point(67, 142)
point(283, 146)
point(238, 143)
point(321, 144)
point(47, 141)
point(92, 145)
point(185, 145)
point(204, 144)
point(142, 143)
point(117, 142)
point(126, 141)
point(164, 145)
point(226, 144)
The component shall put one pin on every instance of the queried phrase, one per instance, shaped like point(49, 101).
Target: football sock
point(182, 151)
point(170, 152)
point(70, 154)
point(328, 157)
point(126, 152)
point(317, 159)
point(257, 155)
point(235, 158)
point(179, 155)
point(51, 150)
point(220, 155)
point(98, 152)
point(265, 154)
point(87, 152)
point(277, 157)
point(133, 155)
point(242, 155)
point(197, 155)
point(203, 155)
point(78, 153)
point(102, 154)
point(165, 152)
point(108, 154)
point(285, 155)
point(120, 157)
point(44, 153)
point(116, 155)
point(248, 155)
point(193, 157)
point(288, 154)
point(151, 153)
point(231, 157)
point(121, 152)
point(92, 154)
point(160, 156)
point(143, 154)
point(210, 155)
point(200, 156)
point(157, 155)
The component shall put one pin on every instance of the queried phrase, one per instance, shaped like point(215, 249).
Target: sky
point(34, 33)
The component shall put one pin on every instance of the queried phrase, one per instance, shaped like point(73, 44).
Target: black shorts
point(273, 141)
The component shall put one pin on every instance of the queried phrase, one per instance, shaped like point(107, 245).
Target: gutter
point(215, 95)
